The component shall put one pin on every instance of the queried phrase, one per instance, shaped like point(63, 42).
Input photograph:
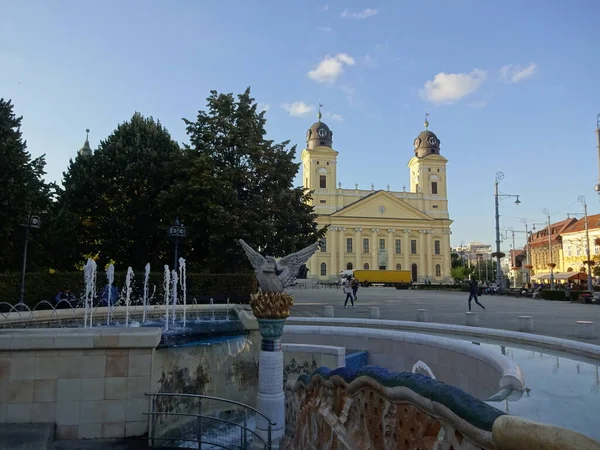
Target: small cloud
point(450, 87)
point(333, 116)
point(323, 8)
point(298, 109)
point(330, 68)
point(478, 104)
point(514, 73)
point(349, 92)
point(325, 29)
point(360, 15)
point(262, 107)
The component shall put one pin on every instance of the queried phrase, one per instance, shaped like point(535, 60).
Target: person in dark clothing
point(473, 289)
point(64, 294)
point(355, 285)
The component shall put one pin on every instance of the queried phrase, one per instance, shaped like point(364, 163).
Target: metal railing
point(245, 432)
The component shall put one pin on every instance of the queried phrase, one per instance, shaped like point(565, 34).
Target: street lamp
point(176, 233)
point(32, 221)
point(581, 199)
point(498, 254)
point(551, 264)
point(597, 187)
point(527, 264)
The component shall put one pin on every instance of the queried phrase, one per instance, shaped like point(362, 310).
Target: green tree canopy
point(23, 190)
point(234, 183)
point(110, 202)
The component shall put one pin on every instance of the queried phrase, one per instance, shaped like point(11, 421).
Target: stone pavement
point(551, 318)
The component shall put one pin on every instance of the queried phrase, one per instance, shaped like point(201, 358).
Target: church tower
point(428, 167)
point(319, 166)
point(86, 150)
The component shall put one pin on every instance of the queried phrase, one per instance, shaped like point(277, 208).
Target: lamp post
point(551, 264)
point(176, 233)
point(498, 253)
point(597, 187)
point(527, 263)
point(32, 221)
point(581, 199)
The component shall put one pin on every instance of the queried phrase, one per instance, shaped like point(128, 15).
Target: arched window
point(398, 266)
point(438, 270)
point(349, 266)
point(323, 269)
point(366, 266)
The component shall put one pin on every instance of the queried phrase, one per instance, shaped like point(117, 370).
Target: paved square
point(551, 318)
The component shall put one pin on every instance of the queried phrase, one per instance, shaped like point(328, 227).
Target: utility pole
point(598, 147)
point(551, 265)
point(524, 222)
point(497, 254)
point(581, 199)
point(32, 222)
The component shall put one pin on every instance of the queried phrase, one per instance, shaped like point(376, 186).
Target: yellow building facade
point(379, 229)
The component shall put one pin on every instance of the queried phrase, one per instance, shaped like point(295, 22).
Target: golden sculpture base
point(271, 305)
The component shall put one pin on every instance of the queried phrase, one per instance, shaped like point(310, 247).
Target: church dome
point(426, 143)
point(86, 150)
point(319, 134)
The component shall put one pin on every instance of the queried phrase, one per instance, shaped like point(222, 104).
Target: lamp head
point(517, 201)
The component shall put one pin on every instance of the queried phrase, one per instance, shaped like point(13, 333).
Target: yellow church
point(379, 229)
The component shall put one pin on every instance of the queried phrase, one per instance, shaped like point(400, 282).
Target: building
point(541, 243)
point(574, 243)
point(379, 229)
point(473, 251)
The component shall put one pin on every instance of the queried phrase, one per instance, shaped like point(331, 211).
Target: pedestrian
point(473, 288)
point(355, 285)
point(348, 292)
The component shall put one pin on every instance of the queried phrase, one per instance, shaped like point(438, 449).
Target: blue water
point(560, 390)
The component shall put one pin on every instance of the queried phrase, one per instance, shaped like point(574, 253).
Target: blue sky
point(510, 85)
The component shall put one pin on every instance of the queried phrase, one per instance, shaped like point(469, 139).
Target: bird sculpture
point(275, 274)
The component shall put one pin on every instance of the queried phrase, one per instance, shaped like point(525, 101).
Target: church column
point(331, 270)
point(374, 249)
point(430, 272)
point(313, 264)
point(422, 250)
point(406, 249)
point(447, 253)
point(390, 249)
point(342, 266)
point(358, 247)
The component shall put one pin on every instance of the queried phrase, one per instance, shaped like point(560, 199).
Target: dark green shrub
point(548, 294)
point(200, 286)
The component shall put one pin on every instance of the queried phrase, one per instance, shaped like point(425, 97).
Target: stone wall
point(299, 359)
point(90, 382)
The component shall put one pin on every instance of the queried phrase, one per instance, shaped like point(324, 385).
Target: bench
point(526, 323)
point(585, 329)
point(378, 284)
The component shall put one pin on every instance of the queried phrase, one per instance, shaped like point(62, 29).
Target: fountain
point(145, 294)
point(166, 286)
point(110, 276)
point(128, 280)
point(183, 283)
point(174, 295)
point(89, 272)
point(212, 309)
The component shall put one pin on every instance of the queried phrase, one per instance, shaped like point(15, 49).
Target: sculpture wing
point(290, 264)
point(256, 259)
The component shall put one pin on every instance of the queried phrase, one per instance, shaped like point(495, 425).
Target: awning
point(540, 276)
point(562, 276)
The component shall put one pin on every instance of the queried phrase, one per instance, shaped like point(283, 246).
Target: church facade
point(379, 229)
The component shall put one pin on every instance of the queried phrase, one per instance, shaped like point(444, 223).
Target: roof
point(593, 222)
point(540, 238)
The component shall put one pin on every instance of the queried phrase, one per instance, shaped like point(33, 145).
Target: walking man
point(473, 289)
point(348, 292)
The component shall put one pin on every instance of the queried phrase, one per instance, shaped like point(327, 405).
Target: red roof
point(540, 237)
point(593, 222)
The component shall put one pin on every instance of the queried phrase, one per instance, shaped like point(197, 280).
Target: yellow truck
point(386, 277)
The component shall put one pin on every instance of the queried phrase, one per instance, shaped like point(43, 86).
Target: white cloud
point(298, 109)
point(325, 29)
point(369, 61)
point(323, 7)
point(364, 14)
point(330, 68)
point(449, 87)
point(333, 116)
point(262, 107)
point(514, 73)
point(349, 92)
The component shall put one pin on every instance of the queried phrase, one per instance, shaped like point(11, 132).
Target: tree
point(23, 190)
point(111, 199)
point(234, 183)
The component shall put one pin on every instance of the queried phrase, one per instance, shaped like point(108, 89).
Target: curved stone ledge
point(386, 346)
point(17, 339)
point(565, 345)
